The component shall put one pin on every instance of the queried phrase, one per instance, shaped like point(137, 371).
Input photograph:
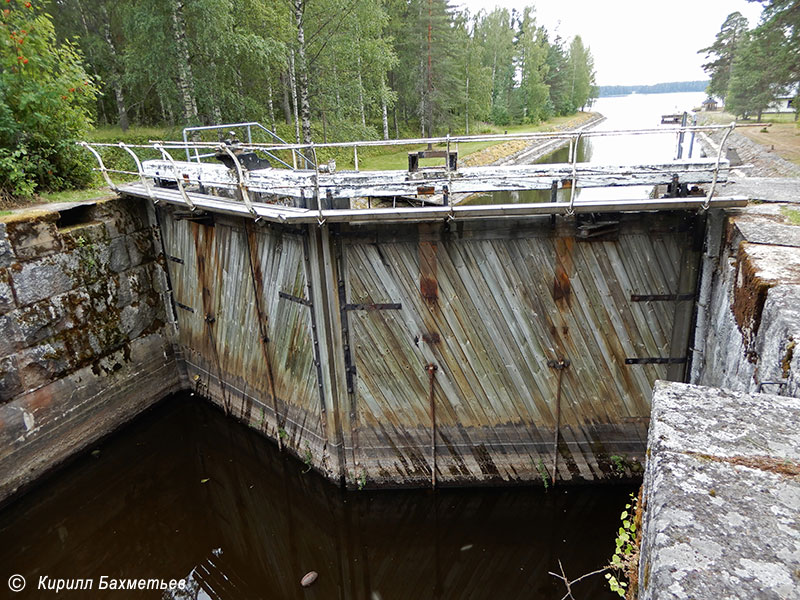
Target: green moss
point(792, 215)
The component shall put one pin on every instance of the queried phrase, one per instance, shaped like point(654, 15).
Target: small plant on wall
point(624, 565)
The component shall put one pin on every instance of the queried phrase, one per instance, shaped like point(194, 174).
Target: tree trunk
point(305, 110)
point(116, 82)
point(287, 109)
point(101, 105)
point(466, 109)
point(338, 97)
point(361, 96)
point(293, 83)
point(185, 79)
point(385, 113)
point(270, 105)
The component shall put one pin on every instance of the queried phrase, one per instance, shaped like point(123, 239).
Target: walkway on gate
point(242, 186)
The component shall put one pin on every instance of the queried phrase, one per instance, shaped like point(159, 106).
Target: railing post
point(570, 208)
point(103, 169)
point(142, 178)
point(728, 131)
point(176, 171)
point(242, 183)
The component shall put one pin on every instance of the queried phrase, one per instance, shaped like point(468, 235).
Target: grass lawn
point(782, 136)
point(397, 157)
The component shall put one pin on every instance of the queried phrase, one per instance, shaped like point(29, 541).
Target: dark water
point(185, 493)
point(635, 111)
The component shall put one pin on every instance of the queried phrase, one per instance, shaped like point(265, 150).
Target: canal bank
point(84, 340)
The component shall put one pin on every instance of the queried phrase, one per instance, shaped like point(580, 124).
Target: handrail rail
point(274, 182)
point(572, 135)
point(246, 124)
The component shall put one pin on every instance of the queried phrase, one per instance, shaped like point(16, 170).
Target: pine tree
point(724, 48)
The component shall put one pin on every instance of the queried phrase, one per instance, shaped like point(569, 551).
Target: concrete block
point(43, 363)
point(49, 317)
point(34, 238)
point(135, 319)
point(10, 338)
point(119, 258)
point(712, 421)
point(10, 383)
point(46, 277)
point(6, 293)
point(722, 495)
point(762, 231)
point(6, 254)
point(140, 247)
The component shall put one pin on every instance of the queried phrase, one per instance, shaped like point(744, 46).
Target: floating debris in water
point(467, 547)
point(309, 578)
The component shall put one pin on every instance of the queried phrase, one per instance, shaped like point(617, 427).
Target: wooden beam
point(357, 184)
point(296, 216)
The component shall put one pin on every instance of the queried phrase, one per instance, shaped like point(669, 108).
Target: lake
point(635, 111)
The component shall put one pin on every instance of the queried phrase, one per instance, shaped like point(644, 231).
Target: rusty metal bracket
point(349, 367)
point(662, 297)
point(431, 369)
point(655, 360)
point(560, 365)
point(761, 385)
point(293, 298)
point(385, 306)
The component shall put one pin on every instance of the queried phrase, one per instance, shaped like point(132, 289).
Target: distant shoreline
point(672, 87)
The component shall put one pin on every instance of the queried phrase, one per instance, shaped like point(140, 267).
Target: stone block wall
point(84, 343)
point(748, 319)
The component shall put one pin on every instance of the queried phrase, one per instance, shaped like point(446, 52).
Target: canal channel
point(183, 492)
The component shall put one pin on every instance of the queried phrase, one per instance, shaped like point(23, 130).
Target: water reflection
point(635, 111)
point(184, 493)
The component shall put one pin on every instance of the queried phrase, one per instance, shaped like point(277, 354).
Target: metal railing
point(242, 175)
point(248, 128)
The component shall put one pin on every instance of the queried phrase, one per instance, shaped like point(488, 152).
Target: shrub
point(46, 100)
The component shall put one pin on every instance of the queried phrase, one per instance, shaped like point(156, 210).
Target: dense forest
point(376, 67)
point(749, 68)
point(656, 88)
point(320, 70)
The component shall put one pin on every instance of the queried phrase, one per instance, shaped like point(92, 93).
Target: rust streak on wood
point(257, 278)
point(431, 369)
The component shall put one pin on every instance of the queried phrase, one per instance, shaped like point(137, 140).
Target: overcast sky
point(635, 41)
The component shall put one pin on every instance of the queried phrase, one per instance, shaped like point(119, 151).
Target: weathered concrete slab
point(767, 189)
point(722, 496)
point(764, 232)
